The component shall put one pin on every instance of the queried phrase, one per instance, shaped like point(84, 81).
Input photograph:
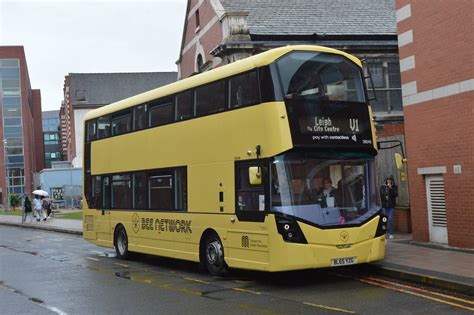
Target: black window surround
point(265, 81)
point(100, 198)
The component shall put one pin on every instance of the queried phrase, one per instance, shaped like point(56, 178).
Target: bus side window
point(243, 90)
point(105, 193)
point(96, 192)
point(161, 191)
point(184, 105)
point(210, 98)
point(140, 117)
point(167, 189)
point(267, 90)
point(140, 196)
point(103, 127)
point(121, 123)
point(121, 194)
point(161, 112)
point(91, 130)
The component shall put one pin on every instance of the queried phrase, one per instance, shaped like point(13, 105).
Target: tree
point(15, 200)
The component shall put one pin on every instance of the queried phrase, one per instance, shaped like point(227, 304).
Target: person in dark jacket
point(27, 210)
point(388, 196)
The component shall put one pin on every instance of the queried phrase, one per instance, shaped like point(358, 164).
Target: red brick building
point(21, 150)
point(218, 32)
point(437, 71)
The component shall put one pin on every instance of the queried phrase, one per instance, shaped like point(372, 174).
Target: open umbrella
point(40, 192)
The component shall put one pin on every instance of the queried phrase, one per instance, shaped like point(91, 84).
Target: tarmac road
point(45, 272)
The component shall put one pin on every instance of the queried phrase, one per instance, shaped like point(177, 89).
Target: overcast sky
point(67, 36)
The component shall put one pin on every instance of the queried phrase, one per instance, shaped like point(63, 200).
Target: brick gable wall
point(439, 131)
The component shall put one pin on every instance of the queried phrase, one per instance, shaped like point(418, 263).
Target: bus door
point(248, 236)
point(102, 215)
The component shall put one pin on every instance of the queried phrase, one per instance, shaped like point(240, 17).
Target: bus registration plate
point(343, 261)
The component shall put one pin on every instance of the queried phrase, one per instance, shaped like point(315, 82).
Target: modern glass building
point(14, 158)
point(19, 126)
point(51, 137)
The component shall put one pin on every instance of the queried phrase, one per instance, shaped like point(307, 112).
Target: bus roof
point(239, 66)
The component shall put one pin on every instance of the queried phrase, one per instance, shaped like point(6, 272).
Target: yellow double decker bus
point(265, 164)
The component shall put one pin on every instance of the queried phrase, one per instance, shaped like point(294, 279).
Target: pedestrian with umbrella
point(37, 204)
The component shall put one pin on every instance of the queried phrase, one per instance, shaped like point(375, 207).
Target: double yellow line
point(467, 305)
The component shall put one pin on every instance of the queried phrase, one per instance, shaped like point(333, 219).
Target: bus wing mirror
point(255, 175)
point(399, 160)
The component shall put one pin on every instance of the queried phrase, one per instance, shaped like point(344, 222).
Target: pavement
point(443, 267)
point(71, 226)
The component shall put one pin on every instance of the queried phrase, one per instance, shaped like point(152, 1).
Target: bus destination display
point(331, 125)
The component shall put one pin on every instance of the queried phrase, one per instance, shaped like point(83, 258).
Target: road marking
point(121, 265)
point(90, 258)
point(329, 308)
point(422, 290)
point(417, 294)
point(196, 280)
point(55, 310)
point(33, 299)
point(244, 281)
point(248, 291)
point(180, 289)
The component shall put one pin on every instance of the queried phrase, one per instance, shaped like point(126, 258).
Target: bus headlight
point(290, 230)
point(382, 226)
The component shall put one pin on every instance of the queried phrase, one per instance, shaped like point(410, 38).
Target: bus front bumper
point(293, 256)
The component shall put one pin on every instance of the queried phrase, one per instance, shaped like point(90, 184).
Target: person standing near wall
point(388, 196)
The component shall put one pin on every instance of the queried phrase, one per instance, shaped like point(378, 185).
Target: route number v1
point(354, 124)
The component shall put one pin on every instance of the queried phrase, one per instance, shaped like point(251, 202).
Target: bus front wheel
point(214, 256)
point(121, 243)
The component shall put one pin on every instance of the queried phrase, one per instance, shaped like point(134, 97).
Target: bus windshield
point(324, 191)
point(320, 76)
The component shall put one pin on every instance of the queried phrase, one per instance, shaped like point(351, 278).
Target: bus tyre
point(121, 243)
point(214, 256)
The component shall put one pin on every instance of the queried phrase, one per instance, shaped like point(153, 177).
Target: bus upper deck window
point(140, 117)
point(184, 105)
point(243, 90)
point(210, 98)
point(320, 76)
point(121, 123)
point(103, 127)
point(91, 130)
point(161, 113)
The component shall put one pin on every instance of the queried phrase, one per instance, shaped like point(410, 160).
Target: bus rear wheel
point(121, 243)
point(214, 256)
